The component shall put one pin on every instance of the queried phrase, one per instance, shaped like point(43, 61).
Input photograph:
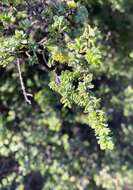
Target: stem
point(25, 94)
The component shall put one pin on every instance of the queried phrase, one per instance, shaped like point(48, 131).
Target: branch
point(26, 95)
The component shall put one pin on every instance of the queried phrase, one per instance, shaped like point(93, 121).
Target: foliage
point(77, 62)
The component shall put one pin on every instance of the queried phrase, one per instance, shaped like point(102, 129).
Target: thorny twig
point(26, 95)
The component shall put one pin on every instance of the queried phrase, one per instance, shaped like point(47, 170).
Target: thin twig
point(22, 84)
point(44, 58)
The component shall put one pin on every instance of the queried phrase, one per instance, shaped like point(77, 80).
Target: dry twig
point(26, 95)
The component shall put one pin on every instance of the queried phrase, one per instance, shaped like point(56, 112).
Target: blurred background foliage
point(46, 145)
